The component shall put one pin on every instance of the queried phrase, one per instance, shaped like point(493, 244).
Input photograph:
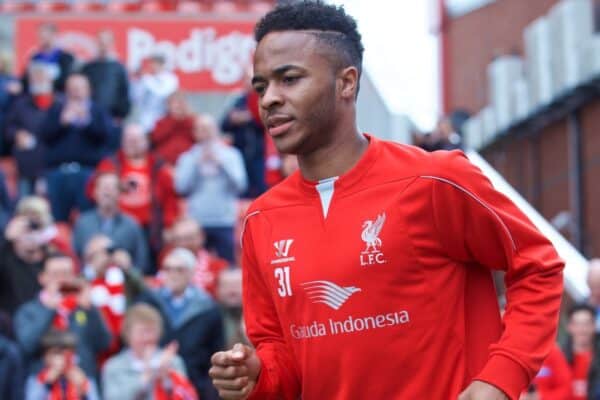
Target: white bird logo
point(370, 233)
point(329, 293)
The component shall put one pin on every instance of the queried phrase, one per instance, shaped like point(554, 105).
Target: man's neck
point(582, 347)
point(335, 159)
point(138, 161)
point(108, 212)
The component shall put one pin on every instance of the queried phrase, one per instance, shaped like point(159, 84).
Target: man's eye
point(290, 79)
point(259, 89)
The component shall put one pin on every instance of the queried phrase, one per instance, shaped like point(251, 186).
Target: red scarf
point(63, 311)
point(62, 389)
point(43, 101)
point(181, 389)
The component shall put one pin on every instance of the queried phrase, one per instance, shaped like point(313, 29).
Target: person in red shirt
point(579, 348)
point(367, 274)
point(553, 381)
point(173, 134)
point(147, 191)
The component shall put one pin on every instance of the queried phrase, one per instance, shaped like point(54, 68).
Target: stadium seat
point(225, 6)
point(14, 6)
point(260, 7)
point(122, 6)
point(157, 6)
point(51, 6)
point(191, 6)
point(87, 6)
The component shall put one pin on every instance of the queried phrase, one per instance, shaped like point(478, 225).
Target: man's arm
point(479, 225)
point(278, 377)
point(32, 321)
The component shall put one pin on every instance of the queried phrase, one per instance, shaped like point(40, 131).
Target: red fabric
point(412, 293)
point(43, 101)
point(67, 305)
point(164, 189)
point(181, 389)
point(56, 390)
point(171, 137)
point(136, 192)
point(108, 295)
point(579, 374)
point(553, 381)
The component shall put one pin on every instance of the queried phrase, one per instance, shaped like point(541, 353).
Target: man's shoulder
point(284, 194)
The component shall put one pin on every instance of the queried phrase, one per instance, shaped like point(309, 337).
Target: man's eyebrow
point(277, 71)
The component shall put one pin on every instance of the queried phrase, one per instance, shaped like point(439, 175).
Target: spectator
point(229, 295)
point(103, 263)
point(211, 176)
point(143, 370)
point(57, 60)
point(580, 347)
point(108, 219)
point(243, 122)
point(60, 377)
point(188, 233)
point(24, 123)
point(192, 318)
point(11, 370)
point(174, 133)
point(63, 304)
point(10, 88)
point(444, 137)
point(76, 133)
point(151, 90)
point(108, 78)
point(593, 281)
point(147, 188)
point(23, 254)
point(553, 381)
point(6, 203)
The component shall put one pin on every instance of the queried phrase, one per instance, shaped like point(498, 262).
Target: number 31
point(283, 278)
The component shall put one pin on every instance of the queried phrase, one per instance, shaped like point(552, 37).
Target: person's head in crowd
point(178, 268)
point(593, 281)
point(205, 128)
point(156, 63)
point(106, 193)
point(229, 289)
point(142, 329)
point(31, 229)
point(581, 326)
point(58, 273)
point(77, 88)
point(47, 35)
point(58, 349)
point(105, 40)
point(134, 143)
point(40, 79)
point(97, 255)
point(177, 105)
point(37, 210)
point(187, 233)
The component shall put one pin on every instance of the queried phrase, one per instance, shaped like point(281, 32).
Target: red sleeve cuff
point(505, 374)
point(264, 386)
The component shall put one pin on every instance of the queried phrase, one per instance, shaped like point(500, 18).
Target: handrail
point(576, 265)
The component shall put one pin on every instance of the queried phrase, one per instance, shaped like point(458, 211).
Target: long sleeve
point(140, 255)
point(278, 379)
point(484, 227)
point(233, 165)
point(32, 321)
point(52, 129)
point(98, 334)
point(98, 128)
point(186, 173)
point(163, 130)
point(168, 198)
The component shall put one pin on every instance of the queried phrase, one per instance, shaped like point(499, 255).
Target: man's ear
point(348, 83)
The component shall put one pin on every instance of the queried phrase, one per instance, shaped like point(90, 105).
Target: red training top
point(377, 285)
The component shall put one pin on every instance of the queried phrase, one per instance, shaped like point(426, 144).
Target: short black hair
point(331, 23)
point(582, 307)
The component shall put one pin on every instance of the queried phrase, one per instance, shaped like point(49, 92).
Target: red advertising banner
point(206, 55)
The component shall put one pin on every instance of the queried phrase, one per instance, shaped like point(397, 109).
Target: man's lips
point(278, 125)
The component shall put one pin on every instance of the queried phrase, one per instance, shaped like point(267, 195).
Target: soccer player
point(367, 274)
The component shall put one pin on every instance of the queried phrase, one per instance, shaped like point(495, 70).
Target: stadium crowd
point(119, 273)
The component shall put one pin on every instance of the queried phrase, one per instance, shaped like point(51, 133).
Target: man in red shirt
point(147, 191)
point(367, 274)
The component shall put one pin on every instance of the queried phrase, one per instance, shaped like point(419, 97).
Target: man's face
point(143, 337)
point(106, 192)
point(57, 271)
point(582, 327)
point(296, 83)
point(40, 81)
point(205, 129)
point(104, 42)
point(188, 234)
point(78, 88)
point(177, 275)
point(96, 254)
point(46, 35)
point(135, 142)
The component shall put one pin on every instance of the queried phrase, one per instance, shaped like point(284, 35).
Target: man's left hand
point(479, 390)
